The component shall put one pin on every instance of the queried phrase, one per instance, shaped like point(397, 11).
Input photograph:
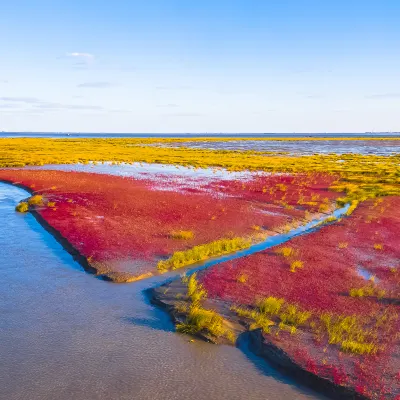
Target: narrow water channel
point(67, 335)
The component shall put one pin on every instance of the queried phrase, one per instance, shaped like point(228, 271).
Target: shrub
point(354, 292)
point(242, 278)
point(286, 251)
point(352, 333)
point(366, 291)
point(22, 207)
point(296, 265)
point(354, 347)
point(195, 290)
point(197, 317)
point(289, 315)
point(260, 320)
point(36, 200)
point(185, 235)
point(290, 328)
point(270, 305)
point(293, 316)
point(281, 187)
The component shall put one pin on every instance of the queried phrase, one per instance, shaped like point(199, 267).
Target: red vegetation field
point(345, 277)
point(308, 191)
point(350, 268)
point(125, 224)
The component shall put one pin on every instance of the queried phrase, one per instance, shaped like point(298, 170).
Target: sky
point(188, 66)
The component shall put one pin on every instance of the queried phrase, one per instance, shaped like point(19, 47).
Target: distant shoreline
point(266, 136)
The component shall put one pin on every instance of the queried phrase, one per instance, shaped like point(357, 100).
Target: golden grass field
point(360, 176)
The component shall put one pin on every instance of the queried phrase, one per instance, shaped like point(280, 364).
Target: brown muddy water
point(66, 335)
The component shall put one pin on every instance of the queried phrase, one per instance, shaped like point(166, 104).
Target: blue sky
point(199, 66)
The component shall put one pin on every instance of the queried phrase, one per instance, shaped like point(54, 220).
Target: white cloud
point(83, 56)
point(38, 104)
point(30, 100)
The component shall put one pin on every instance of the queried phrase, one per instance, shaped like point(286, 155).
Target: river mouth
point(66, 335)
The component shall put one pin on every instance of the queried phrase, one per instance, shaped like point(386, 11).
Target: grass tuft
point(354, 347)
point(198, 318)
point(184, 235)
point(295, 265)
point(286, 251)
point(22, 207)
point(36, 200)
point(242, 278)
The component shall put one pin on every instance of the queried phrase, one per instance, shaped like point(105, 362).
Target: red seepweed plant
point(351, 339)
point(129, 225)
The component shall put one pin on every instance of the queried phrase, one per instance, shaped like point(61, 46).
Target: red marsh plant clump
point(128, 225)
point(330, 299)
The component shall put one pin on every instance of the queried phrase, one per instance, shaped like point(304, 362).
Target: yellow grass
point(197, 317)
point(22, 207)
point(289, 316)
point(361, 176)
point(36, 200)
point(286, 251)
point(202, 252)
point(185, 235)
point(295, 265)
point(354, 347)
point(242, 278)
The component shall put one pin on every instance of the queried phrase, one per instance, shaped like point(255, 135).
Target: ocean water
point(193, 135)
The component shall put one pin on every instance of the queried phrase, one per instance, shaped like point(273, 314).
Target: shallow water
point(66, 335)
point(145, 170)
point(164, 176)
point(364, 147)
point(368, 276)
point(271, 241)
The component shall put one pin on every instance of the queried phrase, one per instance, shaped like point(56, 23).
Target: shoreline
point(101, 271)
point(208, 136)
point(64, 242)
point(165, 298)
